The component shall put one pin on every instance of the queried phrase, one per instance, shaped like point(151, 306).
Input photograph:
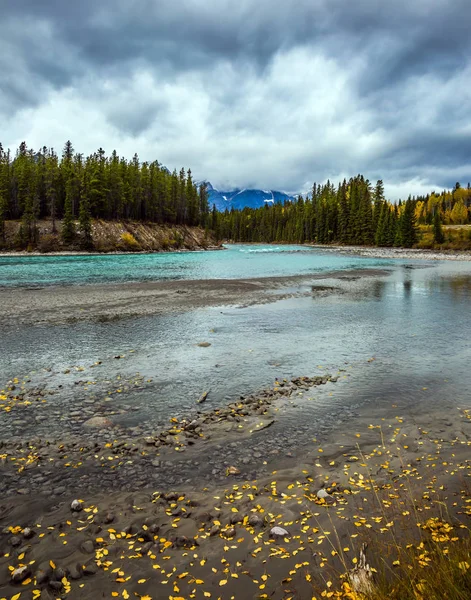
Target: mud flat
point(63, 304)
point(384, 475)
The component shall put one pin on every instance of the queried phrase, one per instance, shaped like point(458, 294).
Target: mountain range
point(239, 199)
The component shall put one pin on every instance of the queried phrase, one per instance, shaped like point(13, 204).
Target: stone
point(20, 574)
point(76, 506)
point(90, 568)
point(230, 532)
point(203, 344)
point(28, 533)
point(88, 547)
point(322, 494)
point(98, 422)
point(42, 576)
point(236, 518)
point(255, 521)
point(55, 585)
point(59, 573)
point(215, 529)
point(75, 571)
point(15, 541)
point(277, 532)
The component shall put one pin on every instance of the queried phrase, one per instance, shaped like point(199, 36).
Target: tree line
point(353, 213)
point(73, 188)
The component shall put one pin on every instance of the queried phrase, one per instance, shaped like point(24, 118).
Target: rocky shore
point(110, 515)
point(401, 253)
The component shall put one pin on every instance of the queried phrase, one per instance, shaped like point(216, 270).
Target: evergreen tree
point(438, 236)
point(68, 224)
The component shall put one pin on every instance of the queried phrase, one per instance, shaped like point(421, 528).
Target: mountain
point(239, 199)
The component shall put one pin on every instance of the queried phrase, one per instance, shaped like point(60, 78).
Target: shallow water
point(394, 335)
point(235, 262)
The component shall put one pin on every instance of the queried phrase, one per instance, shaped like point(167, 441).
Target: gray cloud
point(247, 93)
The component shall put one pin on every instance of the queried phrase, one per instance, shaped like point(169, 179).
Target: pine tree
point(68, 225)
point(3, 214)
point(438, 236)
point(85, 222)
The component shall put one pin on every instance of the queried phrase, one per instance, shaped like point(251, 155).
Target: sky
point(253, 93)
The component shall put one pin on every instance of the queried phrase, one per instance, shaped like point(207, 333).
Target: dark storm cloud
point(247, 92)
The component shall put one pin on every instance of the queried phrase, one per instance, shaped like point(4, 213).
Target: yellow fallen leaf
point(223, 582)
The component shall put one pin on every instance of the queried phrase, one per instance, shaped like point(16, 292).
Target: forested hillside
point(74, 189)
point(71, 187)
point(354, 213)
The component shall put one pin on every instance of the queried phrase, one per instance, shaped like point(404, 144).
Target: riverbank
point(108, 237)
point(400, 253)
point(99, 518)
point(69, 304)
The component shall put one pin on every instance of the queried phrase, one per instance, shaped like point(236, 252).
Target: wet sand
point(63, 304)
point(384, 473)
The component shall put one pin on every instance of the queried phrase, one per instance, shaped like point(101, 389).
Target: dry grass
point(424, 554)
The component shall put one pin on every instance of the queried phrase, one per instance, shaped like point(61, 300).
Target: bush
point(48, 243)
point(129, 242)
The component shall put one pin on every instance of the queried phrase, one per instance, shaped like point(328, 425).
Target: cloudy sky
point(248, 93)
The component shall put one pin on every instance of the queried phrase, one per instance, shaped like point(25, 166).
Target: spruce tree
point(438, 236)
point(68, 224)
point(85, 223)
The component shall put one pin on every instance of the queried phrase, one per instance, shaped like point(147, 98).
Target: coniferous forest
point(74, 189)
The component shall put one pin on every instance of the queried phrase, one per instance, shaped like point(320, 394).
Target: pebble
point(277, 532)
point(20, 574)
point(76, 506)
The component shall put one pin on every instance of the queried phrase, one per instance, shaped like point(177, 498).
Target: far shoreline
point(362, 251)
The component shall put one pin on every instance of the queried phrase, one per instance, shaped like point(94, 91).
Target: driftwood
point(361, 576)
point(203, 397)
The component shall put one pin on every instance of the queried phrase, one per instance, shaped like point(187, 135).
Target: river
point(400, 338)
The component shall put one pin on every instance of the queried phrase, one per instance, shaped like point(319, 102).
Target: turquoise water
point(236, 261)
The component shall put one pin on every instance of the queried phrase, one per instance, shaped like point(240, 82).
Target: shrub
point(48, 243)
point(129, 241)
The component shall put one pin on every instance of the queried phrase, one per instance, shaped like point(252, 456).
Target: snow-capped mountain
point(239, 199)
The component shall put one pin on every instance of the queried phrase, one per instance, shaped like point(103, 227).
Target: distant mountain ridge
point(239, 199)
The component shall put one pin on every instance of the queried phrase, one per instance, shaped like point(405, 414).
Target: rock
point(98, 422)
point(15, 541)
point(76, 506)
point(236, 518)
point(203, 397)
point(88, 547)
point(75, 571)
point(20, 574)
point(215, 529)
point(233, 471)
point(28, 533)
point(90, 568)
point(278, 532)
point(171, 496)
point(255, 521)
point(42, 576)
point(109, 518)
point(230, 532)
point(322, 494)
point(203, 344)
point(55, 585)
point(59, 573)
